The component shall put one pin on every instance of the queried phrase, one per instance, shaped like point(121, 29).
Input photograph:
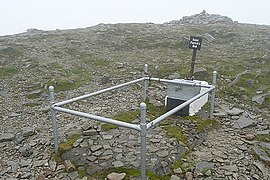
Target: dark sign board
point(195, 42)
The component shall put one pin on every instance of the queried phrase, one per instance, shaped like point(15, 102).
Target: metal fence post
point(143, 141)
point(53, 114)
point(214, 82)
point(145, 82)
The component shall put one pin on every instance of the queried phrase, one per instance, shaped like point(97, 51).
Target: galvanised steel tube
point(214, 82)
point(54, 123)
point(143, 140)
point(171, 112)
point(145, 82)
point(98, 118)
point(173, 81)
point(98, 92)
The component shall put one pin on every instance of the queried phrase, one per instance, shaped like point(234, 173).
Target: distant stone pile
point(203, 18)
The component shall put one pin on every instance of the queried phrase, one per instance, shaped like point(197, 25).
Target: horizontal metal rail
point(98, 92)
point(98, 118)
point(176, 109)
point(177, 82)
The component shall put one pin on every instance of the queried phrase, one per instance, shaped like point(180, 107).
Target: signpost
point(195, 43)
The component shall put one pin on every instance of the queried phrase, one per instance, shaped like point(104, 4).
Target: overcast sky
point(19, 15)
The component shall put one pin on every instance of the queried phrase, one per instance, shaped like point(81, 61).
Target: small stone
point(60, 168)
point(92, 158)
point(118, 164)
point(220, 160)
point(107, 137)
point(260, 99)
point(26, 176)
point(119, 156)
point(105, 80)
point(262, 155)
point(45, 109)
point(250, 137)
point(189, 176)
point(243, 122)
point(174, 177)
point(97, 153)
point(178, 171)
point(52, 165)
point(264, 132)
point(95, 148)
point(25, 163)
point(107, 157)
point(201, 73)
point(26, 150)
point(162, 154)
point(155, 140)
point(19, 138)
point(73, 175)
point(90, 132)
point(13, 114)
point(107, 152)
point(116, 176)
point(106, 146)
point(40, 177)
point(28, 131)
point(220, 114)
point(242, 147)
point(69, 166)
point(6, 137)
point(202, 167)
point(208, 172)
point(40, 163)
point(230, 168)
point(84, 144)
point(234, 111)
point(256, 176)
point(265, 145)
point(118, 150)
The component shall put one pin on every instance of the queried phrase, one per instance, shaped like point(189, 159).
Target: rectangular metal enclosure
point(143, 126)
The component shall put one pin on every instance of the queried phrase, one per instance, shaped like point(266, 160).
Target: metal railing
point(143, 127)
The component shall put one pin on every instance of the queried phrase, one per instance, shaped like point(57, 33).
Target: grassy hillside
point(72, 58)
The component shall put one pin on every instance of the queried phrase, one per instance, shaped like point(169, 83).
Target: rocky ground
point(84, 60)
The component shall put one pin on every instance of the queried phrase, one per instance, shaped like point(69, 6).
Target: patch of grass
point(92, 60)
point(65, 84)
point(206, 124)
point(8, 70)
point(165, 70)
point(57, 157)
point(127, 116)
point(82, 172)
point(124, 117)
point(32, 96)
point(263, 138)
point(154, 111)
point(10, 52)
point(203, 124)
point(76, 78)
point(65, 146)
point(107, 127)
point(182, 163)
point(177, 132)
